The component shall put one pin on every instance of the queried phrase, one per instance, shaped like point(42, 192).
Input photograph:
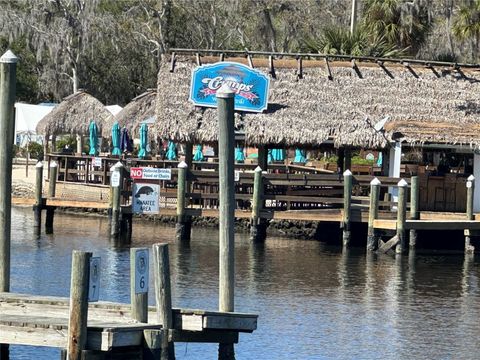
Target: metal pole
point(353, 20)
point(257, 227)
point(182, 230)
point(372, 239)
point(401, 216)
point(226, 148)
point(116, 174)
point(38, 195)
point(469, 249)
point(414, 213)
point(8, 66)
point(347, 204)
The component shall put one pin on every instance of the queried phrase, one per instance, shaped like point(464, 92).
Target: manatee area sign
point(146, 198)
point(250, 85)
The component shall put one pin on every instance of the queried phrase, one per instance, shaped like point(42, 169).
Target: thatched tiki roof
point(134, 113)
point(423, 105)
point(73, 116)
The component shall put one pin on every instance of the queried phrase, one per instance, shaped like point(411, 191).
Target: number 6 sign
point(141, 271)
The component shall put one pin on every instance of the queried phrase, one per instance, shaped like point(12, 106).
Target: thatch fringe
point(73, 116)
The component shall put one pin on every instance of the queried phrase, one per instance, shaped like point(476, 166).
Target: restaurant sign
point(250, 85)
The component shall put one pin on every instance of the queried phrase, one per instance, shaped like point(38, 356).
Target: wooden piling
point(8, 66)
point(401, 216)
point(347, 204)
point(372, 237)
point(347, 158)
point(52, 180)
point(414, 212)
point(37, 208)
point(226, 145)
point(183, 226)
point(116, 183)
point(469, 249)
point(77, 323)
point(257, 224)
point(163, 297)
point(79, 144)
point(138, 300)
point(263, 157)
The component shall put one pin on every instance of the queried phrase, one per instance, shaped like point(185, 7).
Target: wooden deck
point(43, 321)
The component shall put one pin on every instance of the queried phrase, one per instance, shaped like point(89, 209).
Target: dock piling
point(37, 208)
point(78, 313)
point(117, 186)
point(139, 284)
point(52, 180)
point(258, 226)
point(414, 212)
point(163, 297)
point(8, 67)
point(347, 204)
point(469, 249)
point(372, 237)
point(184, 224)
point(401, 216)
point(226, 146)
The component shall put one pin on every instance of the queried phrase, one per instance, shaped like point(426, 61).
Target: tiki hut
point(139, 110)
point(362, 104)
point(73, 116)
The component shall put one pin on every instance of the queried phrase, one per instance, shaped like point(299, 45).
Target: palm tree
point(404, 23)
point(466, 25)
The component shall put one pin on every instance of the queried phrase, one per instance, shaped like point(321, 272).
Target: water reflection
point(315, 301)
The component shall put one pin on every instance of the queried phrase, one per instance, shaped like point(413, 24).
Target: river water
point(313, 301)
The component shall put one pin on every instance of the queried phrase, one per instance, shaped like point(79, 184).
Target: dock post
point(347, 205)
point(37, 208)
point(401, 216)
point(258, 227)
point(372, 237)
point(138, 281)
point(226, 147)
point(184, 224)
point(163, 297)
point(8, 67)
point(78, 313)
point(469, 249)
point(52, 183)
point(117, 186)
point(414, 213)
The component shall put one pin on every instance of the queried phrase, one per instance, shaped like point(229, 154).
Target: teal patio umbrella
point(198, 155)
point(116, 139)
point(269, 156)
point(171, 151)
point(300, 156)
point(93, 132)
point(239, 155)
point(278, 154)
point(380, 159)
point(142, 153)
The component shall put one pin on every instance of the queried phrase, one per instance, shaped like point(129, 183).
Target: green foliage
point(336, 40)
point(66, 140)
point(36, 150)
point(357, 160)
point(467, 22)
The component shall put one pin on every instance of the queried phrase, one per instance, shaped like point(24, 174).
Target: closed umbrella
point(198, 155)
point(300, 156)
point(269, 156)
point(239, 155)
point(93, 130)
point(125, 145)
point(380, 159)
point(278, 154)
point(116, 139)
point(171, 151)
point(142, 153)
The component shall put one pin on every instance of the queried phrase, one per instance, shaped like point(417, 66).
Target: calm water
point(314, 302)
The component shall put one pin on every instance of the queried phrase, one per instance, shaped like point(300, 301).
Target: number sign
point(237, 175)
point(141, 271)
point(94, 280)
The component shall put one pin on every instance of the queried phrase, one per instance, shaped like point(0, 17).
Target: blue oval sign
point(250, 85)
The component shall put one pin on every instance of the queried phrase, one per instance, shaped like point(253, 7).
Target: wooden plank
point(23, 201)
point(385, 224)
point(21, 335)
point(442, 224)
point(247, 324)
point(306, 215)
point(77, 204)
point(190, 322)
point(210, 336)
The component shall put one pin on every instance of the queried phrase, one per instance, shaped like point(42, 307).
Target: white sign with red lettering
point(148, 173)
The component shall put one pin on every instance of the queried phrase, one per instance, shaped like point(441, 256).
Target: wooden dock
point(43, 321)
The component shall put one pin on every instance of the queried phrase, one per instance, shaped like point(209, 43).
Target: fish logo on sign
point(250, 85)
